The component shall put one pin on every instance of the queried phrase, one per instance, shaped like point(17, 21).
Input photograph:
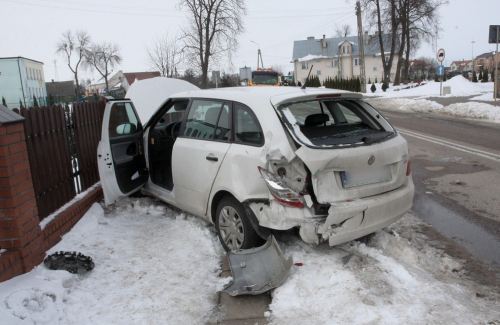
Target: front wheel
point(233, 226)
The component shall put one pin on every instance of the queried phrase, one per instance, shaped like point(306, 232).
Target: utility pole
point(56, 77)
point(259, 60)
point(473, 68)
point(361, 45)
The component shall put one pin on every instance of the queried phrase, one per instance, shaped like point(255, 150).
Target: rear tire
point(233, 226)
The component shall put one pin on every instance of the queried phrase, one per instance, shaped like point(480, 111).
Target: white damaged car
point(255, 159)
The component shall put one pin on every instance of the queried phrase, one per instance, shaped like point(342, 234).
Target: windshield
point(327, 123)
point(265, 78)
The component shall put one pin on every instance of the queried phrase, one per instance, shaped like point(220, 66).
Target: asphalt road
point(456, 170)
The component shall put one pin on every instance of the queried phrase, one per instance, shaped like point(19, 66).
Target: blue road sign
point(440, 70)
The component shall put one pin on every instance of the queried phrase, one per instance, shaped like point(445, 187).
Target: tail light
point(280, 191)
point(408, 168)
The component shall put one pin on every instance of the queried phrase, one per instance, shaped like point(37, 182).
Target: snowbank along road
point(456, 168)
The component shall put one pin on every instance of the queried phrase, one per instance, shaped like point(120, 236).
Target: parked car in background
point(255, 159)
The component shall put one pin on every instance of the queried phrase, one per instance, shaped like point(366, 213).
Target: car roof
point(259, 96)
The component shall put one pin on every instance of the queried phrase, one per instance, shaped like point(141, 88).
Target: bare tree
point(103, 58)
point(166, 56)
point(343, 32)
point(73, 47)
point(421, 20)
point(213, 29)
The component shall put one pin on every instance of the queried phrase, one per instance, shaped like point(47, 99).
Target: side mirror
point(126, 129)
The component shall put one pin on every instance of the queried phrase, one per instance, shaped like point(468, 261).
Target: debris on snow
point(152, 265)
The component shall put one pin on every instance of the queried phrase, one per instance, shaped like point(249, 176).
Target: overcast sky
point(32, 28)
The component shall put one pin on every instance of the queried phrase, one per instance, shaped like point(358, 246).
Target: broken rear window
point(330, 123)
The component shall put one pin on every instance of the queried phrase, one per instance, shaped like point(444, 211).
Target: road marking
point(452, 145)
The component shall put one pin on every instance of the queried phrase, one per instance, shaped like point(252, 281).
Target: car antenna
point(308, 75)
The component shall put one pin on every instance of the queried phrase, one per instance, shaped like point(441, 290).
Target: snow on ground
point(157, 266)
point(152, 266)
point(474, 110)
point(487, 97)
point(459, 87)
point(392, 280)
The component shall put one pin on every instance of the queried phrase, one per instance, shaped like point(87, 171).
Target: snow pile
point(474, 110)
point(149, 94)
point(487, 97)
point(390, 282)
point(153, 266)
point(460, 86)
point(407, 105)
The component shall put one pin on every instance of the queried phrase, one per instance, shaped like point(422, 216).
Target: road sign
point(440, 70)
point(440, 55)
point(494, 35)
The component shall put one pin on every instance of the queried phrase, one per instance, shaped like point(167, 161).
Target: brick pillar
point(20, 233)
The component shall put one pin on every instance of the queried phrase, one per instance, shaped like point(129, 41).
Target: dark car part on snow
point(257, 270)
point(72, 262)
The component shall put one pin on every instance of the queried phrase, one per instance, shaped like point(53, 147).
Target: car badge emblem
point(371, 160)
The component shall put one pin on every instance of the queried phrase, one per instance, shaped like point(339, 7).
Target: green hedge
point(353, 84)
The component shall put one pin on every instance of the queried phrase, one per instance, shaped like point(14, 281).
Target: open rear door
point(120, 154)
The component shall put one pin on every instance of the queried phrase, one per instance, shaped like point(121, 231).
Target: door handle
point(212, 157)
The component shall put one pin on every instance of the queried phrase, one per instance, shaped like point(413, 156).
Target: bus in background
point(264, 77)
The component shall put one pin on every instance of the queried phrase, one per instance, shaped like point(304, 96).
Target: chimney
point(323, 42)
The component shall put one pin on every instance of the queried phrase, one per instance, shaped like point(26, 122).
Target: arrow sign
point(440, 70)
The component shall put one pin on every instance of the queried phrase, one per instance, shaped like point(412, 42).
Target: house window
point(335, 63)
point(304, 65)
point(356, 62)
point(343, 49)
point(374, 68)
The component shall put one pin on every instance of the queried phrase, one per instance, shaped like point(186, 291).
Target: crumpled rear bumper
point(350, 220)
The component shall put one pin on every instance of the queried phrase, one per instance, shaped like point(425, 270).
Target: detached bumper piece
point(257, 270)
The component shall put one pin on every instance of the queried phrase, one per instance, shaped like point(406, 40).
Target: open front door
point(120, 154)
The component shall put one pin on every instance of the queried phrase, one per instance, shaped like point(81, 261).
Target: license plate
point(365, 177)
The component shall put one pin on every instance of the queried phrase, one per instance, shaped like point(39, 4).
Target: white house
point(21, 79)
point(339, 57)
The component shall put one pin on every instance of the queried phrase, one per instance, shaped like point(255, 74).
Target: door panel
point(195, 165)
point(120, 154)
point(199, 152)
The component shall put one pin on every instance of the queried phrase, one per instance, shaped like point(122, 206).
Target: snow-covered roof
point(313, 46)
point(311, 57)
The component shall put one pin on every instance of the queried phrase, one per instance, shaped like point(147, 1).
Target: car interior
point(209, 120)
point(335, 122)
point(125, 139)
point(162, 136)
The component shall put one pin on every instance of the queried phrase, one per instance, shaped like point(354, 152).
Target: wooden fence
point(62, 149)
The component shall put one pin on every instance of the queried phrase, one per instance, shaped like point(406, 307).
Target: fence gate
point(62, 147)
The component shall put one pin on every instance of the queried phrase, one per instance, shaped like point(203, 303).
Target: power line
point(30, 4)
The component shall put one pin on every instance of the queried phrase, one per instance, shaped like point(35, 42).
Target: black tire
point(250, 237)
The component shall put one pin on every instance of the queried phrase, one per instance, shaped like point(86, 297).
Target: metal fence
point(62, 147)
